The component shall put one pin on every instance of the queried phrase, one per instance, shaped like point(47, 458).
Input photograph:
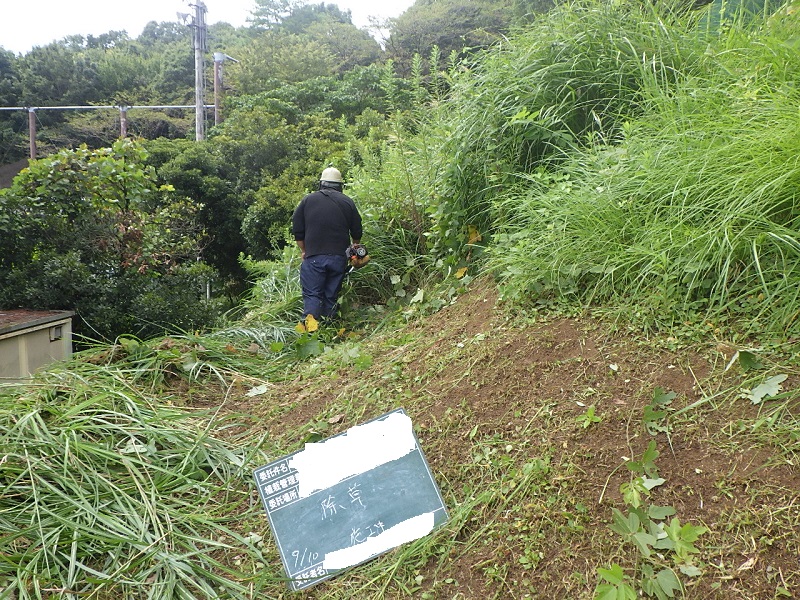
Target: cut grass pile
point(108, 490)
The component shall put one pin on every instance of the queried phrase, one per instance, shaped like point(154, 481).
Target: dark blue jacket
point(326, 221)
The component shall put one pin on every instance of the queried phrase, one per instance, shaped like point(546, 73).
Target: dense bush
point(620, 154)
point(90, 231)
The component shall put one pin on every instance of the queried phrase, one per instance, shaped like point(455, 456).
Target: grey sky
point(24, 25)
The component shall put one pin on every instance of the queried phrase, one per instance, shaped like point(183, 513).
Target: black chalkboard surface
point(349, 498)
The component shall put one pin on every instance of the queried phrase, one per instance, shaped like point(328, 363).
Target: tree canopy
point(92, 231)
point(308, 88)
point(454, 26)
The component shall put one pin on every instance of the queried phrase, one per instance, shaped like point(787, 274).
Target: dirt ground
point(474, 378)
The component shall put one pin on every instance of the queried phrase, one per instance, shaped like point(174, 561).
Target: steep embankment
point(528, 424)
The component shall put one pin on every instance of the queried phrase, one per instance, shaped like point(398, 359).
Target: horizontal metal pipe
point(35, 108)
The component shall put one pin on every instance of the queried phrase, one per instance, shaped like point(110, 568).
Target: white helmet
point(332, 175)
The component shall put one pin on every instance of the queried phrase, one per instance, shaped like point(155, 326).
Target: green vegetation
point(109, 490)
point(168, 430)
point(91, 230)
point(583, 289)
point(690, 206)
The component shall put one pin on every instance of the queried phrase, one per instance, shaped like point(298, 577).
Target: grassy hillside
point(528, 424)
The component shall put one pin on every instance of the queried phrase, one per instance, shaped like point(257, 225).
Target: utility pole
point(123, 121)
point(219, 58)
point(199, 26)
point(32, 131)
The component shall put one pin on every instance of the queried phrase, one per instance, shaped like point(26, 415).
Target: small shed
point(30, 339)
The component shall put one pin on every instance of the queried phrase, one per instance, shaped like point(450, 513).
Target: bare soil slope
point(502, 408)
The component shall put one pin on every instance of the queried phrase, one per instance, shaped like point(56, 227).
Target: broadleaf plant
point(656, 541)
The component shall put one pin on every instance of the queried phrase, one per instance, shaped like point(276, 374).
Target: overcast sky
point(24, 25)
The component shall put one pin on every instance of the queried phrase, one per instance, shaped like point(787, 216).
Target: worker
point(325, 224)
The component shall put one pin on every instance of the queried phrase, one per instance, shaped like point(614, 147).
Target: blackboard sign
point(342, 501)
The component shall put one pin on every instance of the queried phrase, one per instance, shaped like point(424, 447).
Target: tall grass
point(569, 79)
point(696, 207)
point(397, 187)
point(273, 303)
point(106, 492)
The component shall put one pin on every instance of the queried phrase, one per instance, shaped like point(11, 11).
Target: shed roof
point(21, 318)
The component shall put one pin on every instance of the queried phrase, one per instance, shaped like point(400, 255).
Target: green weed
point(588, 418)
point(645, 528)
point(106, 490)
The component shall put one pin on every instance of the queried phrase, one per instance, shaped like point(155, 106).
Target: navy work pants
point(321, 278)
